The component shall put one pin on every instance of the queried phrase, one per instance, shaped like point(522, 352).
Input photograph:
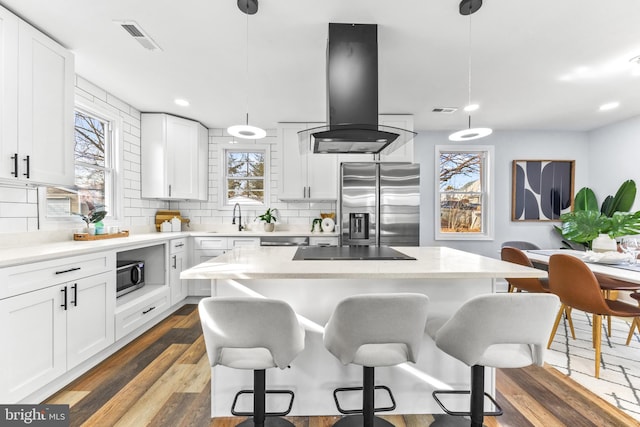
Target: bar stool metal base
point(268, 422)
point(445, 420)
point(358, 421)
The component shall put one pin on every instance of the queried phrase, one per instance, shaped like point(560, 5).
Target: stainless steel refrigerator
point(379, 204)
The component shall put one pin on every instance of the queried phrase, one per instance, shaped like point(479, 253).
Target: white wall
point(509, 146)
point(614, 153)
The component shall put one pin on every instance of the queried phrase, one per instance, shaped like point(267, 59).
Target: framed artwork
point(542, 189)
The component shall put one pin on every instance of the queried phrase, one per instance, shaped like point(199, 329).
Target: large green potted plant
point(269, 219)
point(613, 217)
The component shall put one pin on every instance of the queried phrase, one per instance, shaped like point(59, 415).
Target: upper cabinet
point(174, 158)
point(403, 121)
point(305, 176)
point(36, 106)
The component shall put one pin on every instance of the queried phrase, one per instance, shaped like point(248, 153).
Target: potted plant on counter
point(588, 221)
point(269, 219)
point(95, 217)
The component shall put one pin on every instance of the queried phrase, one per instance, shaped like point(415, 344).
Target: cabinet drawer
point(323, 241)
point(235, 242)
point(137, 314)
point(30, 277)
point(177, 246)
point(210, 243)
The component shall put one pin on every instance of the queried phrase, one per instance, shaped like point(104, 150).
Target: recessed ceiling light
point(609, 106)
point(471, 107)
point(181, 102)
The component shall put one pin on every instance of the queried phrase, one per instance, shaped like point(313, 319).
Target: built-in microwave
point(130, 276)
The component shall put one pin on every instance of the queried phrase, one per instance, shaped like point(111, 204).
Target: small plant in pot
point(94, 216)
point(612, 218)
point(269, 219)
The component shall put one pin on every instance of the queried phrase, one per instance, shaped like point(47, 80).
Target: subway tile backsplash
point(19, 205)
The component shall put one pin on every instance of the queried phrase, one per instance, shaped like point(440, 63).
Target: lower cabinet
point(49, 331)
point(177, 263)
point(138, 312)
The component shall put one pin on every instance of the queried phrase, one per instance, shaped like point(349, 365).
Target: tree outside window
point(462, 210)
point(245, 176)
point(94, 170)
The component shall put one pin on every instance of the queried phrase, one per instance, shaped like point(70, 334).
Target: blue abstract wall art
point(542, 189)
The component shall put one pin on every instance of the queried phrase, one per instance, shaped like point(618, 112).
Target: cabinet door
point(403, 121)
point(90, 316)
point(293, 185)
point(322, 177)
point(179, 288)
point(45, 109)
point(33, 338)
point(305, 175)
point(203, 163)
point(9, 91)
point(182, 158)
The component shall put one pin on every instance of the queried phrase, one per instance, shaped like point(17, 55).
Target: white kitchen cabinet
point(90, 312)
point(402, 121)
point(305, 176)
point(51, 325)
point(172, 164)
point(323, 241)
point(37, 106)
point(177, 263)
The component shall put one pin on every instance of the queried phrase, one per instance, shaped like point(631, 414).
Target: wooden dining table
point(619, 277)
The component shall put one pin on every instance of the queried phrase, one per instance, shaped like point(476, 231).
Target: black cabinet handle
point(64, 298)
point(179, 245)
point(175, 262)
point(75, 294)
point(68, 271)
point(27, 159)
point(15, 165)
point(146, 311)
point(169, 190)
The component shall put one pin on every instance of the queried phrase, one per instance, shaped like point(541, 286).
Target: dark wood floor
point(163, 379)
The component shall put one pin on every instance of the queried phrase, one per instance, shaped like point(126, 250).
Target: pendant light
point(246, 131)
point(467, 8)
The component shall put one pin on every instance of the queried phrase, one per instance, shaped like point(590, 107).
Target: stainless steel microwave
point(130, 276)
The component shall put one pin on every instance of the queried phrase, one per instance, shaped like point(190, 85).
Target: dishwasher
point(284, 241)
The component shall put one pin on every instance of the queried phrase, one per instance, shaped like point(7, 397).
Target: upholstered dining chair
point(520, 244)
point(516, 256)
point(576, 285)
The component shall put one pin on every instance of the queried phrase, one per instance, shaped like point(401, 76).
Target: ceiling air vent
point(444, 110)
point(138, 34)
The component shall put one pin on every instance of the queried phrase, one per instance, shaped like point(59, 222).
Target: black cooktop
point(349, 253)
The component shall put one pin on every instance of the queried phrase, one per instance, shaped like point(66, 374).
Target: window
point(95, 169)
point(463, 189)
point(245, 176)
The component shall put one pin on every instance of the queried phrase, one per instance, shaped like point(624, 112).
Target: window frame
point(487, 198)
point(115, 155)
point(246, 147)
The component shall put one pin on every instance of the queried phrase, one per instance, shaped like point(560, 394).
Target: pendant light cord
point(469, 76)
point(247, 67)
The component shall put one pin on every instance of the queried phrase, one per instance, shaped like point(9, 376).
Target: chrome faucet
point(237, 205)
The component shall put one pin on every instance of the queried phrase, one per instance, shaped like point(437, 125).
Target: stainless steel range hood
point(352, 97)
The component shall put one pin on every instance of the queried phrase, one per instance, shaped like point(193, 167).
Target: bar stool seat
point(496, 330)
point(255, 334)
point(374, 330)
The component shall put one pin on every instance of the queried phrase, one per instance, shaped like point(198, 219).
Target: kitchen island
point(447, 276)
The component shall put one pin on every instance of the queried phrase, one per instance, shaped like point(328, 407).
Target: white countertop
point(431, 262)
point(33, 252)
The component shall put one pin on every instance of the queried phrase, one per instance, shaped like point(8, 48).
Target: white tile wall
point(19, 205)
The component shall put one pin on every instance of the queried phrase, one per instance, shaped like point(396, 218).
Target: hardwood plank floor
point(163, 379)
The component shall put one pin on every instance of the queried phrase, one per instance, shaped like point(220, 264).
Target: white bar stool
point(496, 330)
point(256, 334)
point(374, 330)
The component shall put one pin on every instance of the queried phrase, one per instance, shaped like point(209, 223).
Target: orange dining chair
point(516, 256)
point(636, 320)
point(577, 287)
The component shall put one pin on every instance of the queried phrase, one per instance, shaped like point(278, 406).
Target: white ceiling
point(543, 64)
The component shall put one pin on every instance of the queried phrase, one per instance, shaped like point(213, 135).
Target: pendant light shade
point(467, 8)
point(247, 131)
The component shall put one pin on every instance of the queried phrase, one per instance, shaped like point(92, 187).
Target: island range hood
point(352, 97)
